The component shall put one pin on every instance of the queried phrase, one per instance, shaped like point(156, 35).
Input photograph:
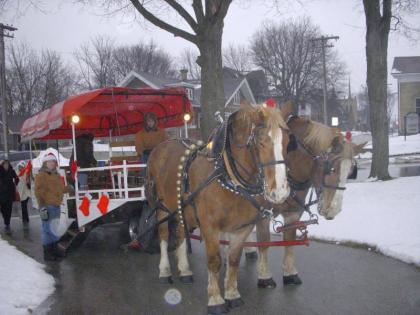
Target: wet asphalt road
point(99, 278)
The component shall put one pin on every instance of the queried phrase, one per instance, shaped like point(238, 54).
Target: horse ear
point(287, 109)
point(359, 148)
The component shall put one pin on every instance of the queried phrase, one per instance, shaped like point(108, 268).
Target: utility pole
point(3, 34)
point(324, 44)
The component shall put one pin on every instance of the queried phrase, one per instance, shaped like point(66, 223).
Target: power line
point(5, 31)
point(324, 42)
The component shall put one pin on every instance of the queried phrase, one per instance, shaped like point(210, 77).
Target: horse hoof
point(292, 280)
point(217, 309)
point(186, 279)
point(266, 283)
point(251, 256)
point(165, 280)
point(234, 303)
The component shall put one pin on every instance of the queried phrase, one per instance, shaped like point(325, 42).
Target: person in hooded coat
point(8, 182)
point(149, 137)
point(49, 192)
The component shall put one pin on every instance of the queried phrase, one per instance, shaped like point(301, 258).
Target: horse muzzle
point(278, 196)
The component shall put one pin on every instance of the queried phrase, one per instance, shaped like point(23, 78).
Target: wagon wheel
point(137, 224)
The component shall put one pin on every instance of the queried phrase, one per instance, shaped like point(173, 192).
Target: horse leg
point(185, 274)
point(232, 295)
point(165, 275)
point(290, 273)
point(225, 248)
point(251, 252)
point(265, 278)
point(216, 304)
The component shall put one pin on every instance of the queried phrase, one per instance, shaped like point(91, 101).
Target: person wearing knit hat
point(49, 157)
point(49, 191)
point(149, 137)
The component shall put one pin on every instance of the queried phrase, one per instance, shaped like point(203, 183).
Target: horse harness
point(296, 185)
point(226, 170)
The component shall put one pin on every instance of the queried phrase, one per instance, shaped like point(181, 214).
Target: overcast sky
point(63, 26)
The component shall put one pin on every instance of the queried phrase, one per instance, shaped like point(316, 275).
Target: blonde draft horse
point(323, 159)
point(258, 138)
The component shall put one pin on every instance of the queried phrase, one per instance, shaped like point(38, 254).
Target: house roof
point(154, 81)
point(231, 84)
point(257, 80)
point(406, 65)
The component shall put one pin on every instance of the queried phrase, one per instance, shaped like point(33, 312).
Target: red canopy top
point(118, 109)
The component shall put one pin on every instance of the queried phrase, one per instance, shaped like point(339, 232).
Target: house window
point(190, 93)
point(237, 98)
point(418, 106)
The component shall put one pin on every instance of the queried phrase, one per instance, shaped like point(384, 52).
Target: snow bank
point(23, 282)
point(381, 214)
point(397, 145)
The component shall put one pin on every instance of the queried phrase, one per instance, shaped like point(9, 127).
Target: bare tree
point(380, 15)
point(238, 58)
point(19, 7)
point(101, 62)
point(57, 81)
point(96, 64)
point(188, 60)
point(143, 58)
point(35, 80)
point(292, 61)
point(378, 24)
point(202, 25)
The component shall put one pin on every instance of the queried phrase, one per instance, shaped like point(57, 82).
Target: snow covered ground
point(23, 282)
point(397, 145)
point(383, 215)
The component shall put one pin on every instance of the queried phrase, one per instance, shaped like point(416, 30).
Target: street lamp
point(75, 119)
point(187, 118)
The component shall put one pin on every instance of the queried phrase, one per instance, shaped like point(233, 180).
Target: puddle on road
point(395, 170)
point(407, 171)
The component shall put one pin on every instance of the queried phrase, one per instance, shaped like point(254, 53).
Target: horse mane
point(273, 118)
point(320, 137)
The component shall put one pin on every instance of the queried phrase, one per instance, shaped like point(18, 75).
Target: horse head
point(335, 160)
point(263, 136)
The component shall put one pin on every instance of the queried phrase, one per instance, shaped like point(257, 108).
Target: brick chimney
point(184, 74)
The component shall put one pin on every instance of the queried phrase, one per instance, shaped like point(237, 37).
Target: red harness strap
point(304, 241)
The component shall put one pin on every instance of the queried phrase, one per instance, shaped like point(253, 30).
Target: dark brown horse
point(180, 181)
point(323, 159)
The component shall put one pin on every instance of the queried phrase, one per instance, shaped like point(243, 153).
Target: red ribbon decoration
point(73, 169)
point(270, 102)
point(27, 169)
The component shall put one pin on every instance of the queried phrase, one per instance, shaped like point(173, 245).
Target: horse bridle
point(252, 145)
point(327, 167)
